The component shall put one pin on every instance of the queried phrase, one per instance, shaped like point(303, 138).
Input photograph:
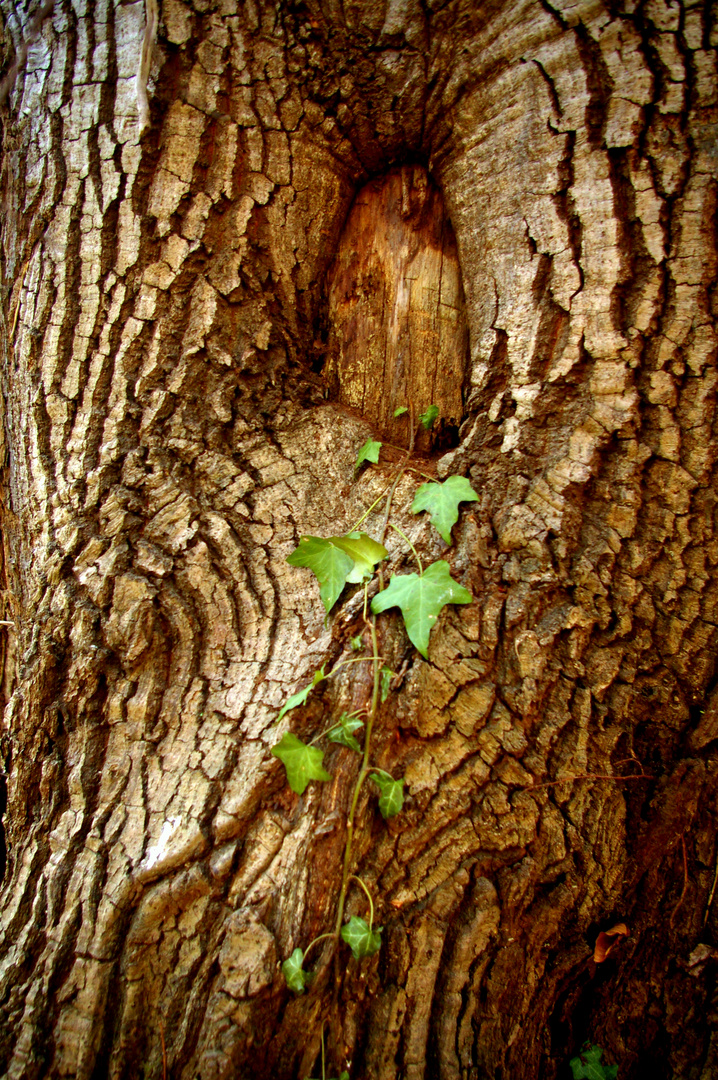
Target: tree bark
point(169, 433)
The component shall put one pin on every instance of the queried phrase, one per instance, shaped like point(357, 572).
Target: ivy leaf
point(294, 974)
point(328, 562)
point(343, 733)
point(386, 676)
point(364, 552)
point(369, 452)
point(400, 411)
point(336, 560)
point(391, 797)
point(302, 763)
point(588, 1066)
point(442, 502)
point(357, 643)
point(427, 418)
point(421, 598)
point(301, 695)
point(360, 937)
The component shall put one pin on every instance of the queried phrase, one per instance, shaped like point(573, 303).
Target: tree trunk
point(171, 429)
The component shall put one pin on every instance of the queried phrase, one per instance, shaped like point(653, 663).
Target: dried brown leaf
point(607, 941)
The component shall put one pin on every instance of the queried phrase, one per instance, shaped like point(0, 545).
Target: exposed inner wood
point(396, 302)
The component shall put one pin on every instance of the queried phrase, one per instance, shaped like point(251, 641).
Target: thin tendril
point(322, 937)
point(366, 513)
point(368, 896)
point(405, 537)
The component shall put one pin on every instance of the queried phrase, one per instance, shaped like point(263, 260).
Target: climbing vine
point(355, 558)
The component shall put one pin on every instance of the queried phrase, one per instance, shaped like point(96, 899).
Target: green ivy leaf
point(386, 676)
point(442, 502)
point(588, 1066)
point(391, 797)
point(400, 411)
point(343, 733)
point(364, 552)
point(421, 598)
point(430, 416)
point(336, 560)
point(359, 936)
point(301, 695)
point(302, 763)
point(357, 643)
point(369, 452)
point(328, 562)
point(294, 974)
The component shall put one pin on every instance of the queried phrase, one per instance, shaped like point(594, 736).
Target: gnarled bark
point(168, 437)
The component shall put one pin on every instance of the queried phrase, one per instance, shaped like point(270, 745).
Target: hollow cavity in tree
point(398, 334)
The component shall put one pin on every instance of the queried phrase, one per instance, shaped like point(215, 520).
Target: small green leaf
point(442, 502)
point(336, 560)
point(427, 418)
point(386, 676)
point(369, 452)
point(302, 763)
point(391, 797)
point(362, 940)
point(301, 695)
point(421, 598)
point(295, 976)
point(588, 1066)
point(343, 732)
point(400, 411)
point(357, 643)
point(296, 699)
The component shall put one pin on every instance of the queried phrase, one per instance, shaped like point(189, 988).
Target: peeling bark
point(167, 437)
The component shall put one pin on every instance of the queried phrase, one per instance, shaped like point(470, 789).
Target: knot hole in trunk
point(398, 334)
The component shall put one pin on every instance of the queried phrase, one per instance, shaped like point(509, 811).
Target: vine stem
point(385, 523)
point(324, 1070)
point(391, 487)
point(352, 660)
point(408, 541)
point(366, 513)
point(353, 877)
point(363, 772)
point(335, 727)
point(322, 937)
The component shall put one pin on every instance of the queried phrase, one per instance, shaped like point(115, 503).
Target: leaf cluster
point(588, 1065)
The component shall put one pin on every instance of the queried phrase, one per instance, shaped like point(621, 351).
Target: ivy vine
point(353, 559)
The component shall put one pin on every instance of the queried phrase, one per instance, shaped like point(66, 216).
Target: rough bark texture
point(168, 438)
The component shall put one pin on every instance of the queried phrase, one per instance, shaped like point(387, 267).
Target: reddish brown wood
point(396, 302)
